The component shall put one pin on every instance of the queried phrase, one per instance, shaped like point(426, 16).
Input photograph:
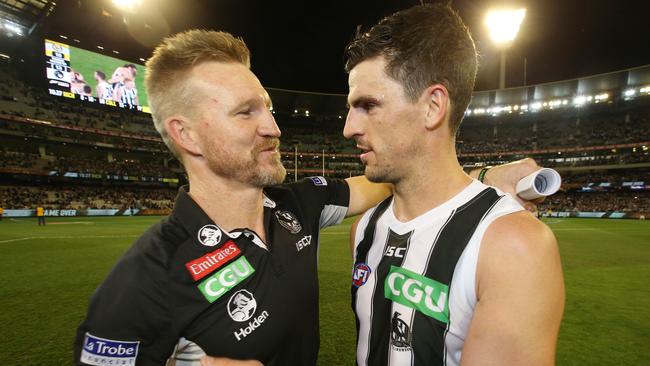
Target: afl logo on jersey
point(288, 221)
point(361, 274)
point(209, 235)
point(241, 306)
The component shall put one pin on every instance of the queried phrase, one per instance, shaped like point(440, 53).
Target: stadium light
point(504, 26)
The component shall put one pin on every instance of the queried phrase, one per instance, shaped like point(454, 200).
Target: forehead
point(369, 78)
point(226, 83)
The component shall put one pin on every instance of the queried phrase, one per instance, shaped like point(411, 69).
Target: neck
point(228, 203)
point(432, 182)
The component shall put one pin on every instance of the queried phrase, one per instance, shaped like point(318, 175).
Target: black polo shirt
point(229, 293)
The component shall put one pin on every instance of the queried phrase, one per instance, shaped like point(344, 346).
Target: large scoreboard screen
point(79, 74)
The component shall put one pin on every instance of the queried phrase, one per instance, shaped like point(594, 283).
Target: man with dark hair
point(103, 89)
point(447, 270)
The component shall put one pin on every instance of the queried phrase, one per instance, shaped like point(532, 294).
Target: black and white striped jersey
point(413, 286)
point(129, 97)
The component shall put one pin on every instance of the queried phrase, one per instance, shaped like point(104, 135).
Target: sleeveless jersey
point(413, 287)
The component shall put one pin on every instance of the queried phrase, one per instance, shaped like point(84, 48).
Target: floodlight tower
point(504, 26)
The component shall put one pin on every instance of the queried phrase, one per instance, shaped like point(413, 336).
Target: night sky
point(299, 44)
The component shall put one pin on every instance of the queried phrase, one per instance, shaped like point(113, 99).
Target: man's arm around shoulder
point(520, 292)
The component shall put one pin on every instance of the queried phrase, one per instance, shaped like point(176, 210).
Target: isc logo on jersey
point(221, 282)
point(428, 296)
point(395, 252)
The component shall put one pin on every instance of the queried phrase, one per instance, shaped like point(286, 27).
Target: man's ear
point(437, 101)
point(179, 130)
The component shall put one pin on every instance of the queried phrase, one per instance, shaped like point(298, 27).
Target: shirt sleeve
point(331, 197)
point(128, 321)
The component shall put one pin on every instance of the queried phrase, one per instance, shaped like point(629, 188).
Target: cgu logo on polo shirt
point(208, 263)
point(223, 281)
point(428, 296)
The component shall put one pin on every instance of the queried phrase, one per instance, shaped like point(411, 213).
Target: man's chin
point(375, 175)
point(272, 177)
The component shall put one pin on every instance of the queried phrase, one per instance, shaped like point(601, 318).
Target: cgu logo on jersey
point(410, 289)
point(227, 278)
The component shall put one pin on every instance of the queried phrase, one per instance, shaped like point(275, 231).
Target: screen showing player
point(84, 75)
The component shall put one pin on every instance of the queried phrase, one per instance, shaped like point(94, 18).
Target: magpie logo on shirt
point(400, 333)
point(361, 274)
point(209, 235)
point(288, 221)
point(241, 306)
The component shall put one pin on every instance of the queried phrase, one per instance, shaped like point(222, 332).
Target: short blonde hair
point(167, 70)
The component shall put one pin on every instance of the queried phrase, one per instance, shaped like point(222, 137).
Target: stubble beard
point(248, 170)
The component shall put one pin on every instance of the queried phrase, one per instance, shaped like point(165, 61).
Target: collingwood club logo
point(209, 235)
point(400, 333)
point(288, 221)
point(241, 306)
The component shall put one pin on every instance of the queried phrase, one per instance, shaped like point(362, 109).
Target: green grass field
point(48, 273)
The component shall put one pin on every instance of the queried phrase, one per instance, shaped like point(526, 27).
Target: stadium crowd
point(80, 197)
point(621, 201)
point(50, 136)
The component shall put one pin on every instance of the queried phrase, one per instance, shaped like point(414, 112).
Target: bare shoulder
point(519, 234)
point(517, 250)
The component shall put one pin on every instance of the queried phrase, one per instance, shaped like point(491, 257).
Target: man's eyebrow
point(247, 102)
point(356, 101)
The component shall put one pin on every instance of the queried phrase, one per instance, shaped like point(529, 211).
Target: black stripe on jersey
point(364, 247)
point(380, 326)
point(429, 333)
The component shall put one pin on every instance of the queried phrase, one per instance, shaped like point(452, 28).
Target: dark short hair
point(423, 45)
point(101, 74)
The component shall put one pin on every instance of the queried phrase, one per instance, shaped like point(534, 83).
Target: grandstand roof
point(298, 44)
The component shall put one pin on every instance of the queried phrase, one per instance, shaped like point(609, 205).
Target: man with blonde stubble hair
point(236, 232)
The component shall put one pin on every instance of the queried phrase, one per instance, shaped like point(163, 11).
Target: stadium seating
point(115, 158)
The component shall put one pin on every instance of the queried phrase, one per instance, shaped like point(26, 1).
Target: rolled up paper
point(541, 183)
